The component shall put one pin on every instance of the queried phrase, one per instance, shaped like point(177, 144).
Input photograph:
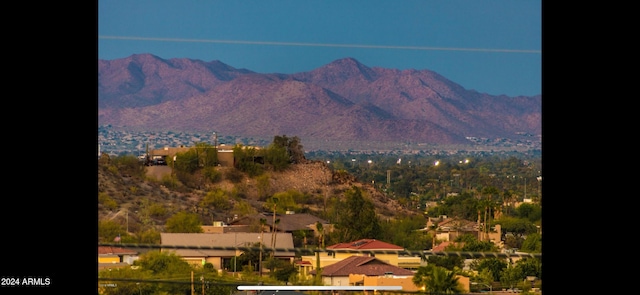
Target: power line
point(276, 43)
point(307, 251)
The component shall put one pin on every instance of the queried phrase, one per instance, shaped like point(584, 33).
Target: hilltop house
point(225, 154)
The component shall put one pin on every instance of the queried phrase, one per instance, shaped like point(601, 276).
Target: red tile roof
point(443, 246)
point(363, 265)
point(114, 250)
point(366, 244)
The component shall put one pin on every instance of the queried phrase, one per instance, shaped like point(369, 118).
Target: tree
point(245, 160)
point(242, 207)
point(320, 230)
point(108, 230)
point(532, 244)
point(186, 162)
point(494, 265)
point(517, 226)
point(449, 262)
point(184, 222)
point(479, 246)
point(126, 287)
point(292, 147)
point(273, 226)
point(510, 276)
point(149, 236)
point(486, 276)
point(263, 185)
point(250, 257)
point(287, 201)
point(356, 217)
point(531, 212)
point(216, 199)
point(207, 154)
point(105, 200)
point(166, 264)
point(300, 238)
point(436, 279)
point(276, 157)
point(404, 231)
point(163, 262)
point(529, 266)
point(284, 271)
point(263, 222)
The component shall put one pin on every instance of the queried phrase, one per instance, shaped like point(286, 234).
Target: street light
point(486, 285)
point(539, 178)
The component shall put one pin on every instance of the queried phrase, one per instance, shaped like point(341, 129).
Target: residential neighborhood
point(363, 262)
point(237, 225)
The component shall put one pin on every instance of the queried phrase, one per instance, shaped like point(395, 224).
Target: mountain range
point(344, 100)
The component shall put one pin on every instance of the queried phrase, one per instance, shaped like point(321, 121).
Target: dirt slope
point(133, 194)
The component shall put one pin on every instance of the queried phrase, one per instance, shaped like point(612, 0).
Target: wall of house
point(324, 260)
point(225, 154)
point(442, 236)
point(216, 261)
point(335, 281)
point(225, 158)
point(412, 262)
point(404, 281)
point(130, 258)
point(388, 258)
point(216, 229)
point(109, 259)
point(464, 283)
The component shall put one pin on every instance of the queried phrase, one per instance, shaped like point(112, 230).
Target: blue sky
point(493, 47)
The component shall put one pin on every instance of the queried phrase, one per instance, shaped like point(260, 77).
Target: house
point(290, 222)
point(224, 153)
point(220, 227)
point(218, 257)
point(366, 271)
point(115, 257)
point(448, 229)
point(368, 245)
point(308, 263)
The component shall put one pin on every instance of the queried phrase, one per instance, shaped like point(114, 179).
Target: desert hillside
point(137, 200)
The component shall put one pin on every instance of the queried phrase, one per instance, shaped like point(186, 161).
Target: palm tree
point(443, 280)
point(275, 232)
point(437, 279)
point(263, 222)
point(320, 230)
point(273, 226)
point(303, 233)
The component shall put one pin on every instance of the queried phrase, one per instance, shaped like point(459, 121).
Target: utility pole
point(260, 259)
point(193, 290)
